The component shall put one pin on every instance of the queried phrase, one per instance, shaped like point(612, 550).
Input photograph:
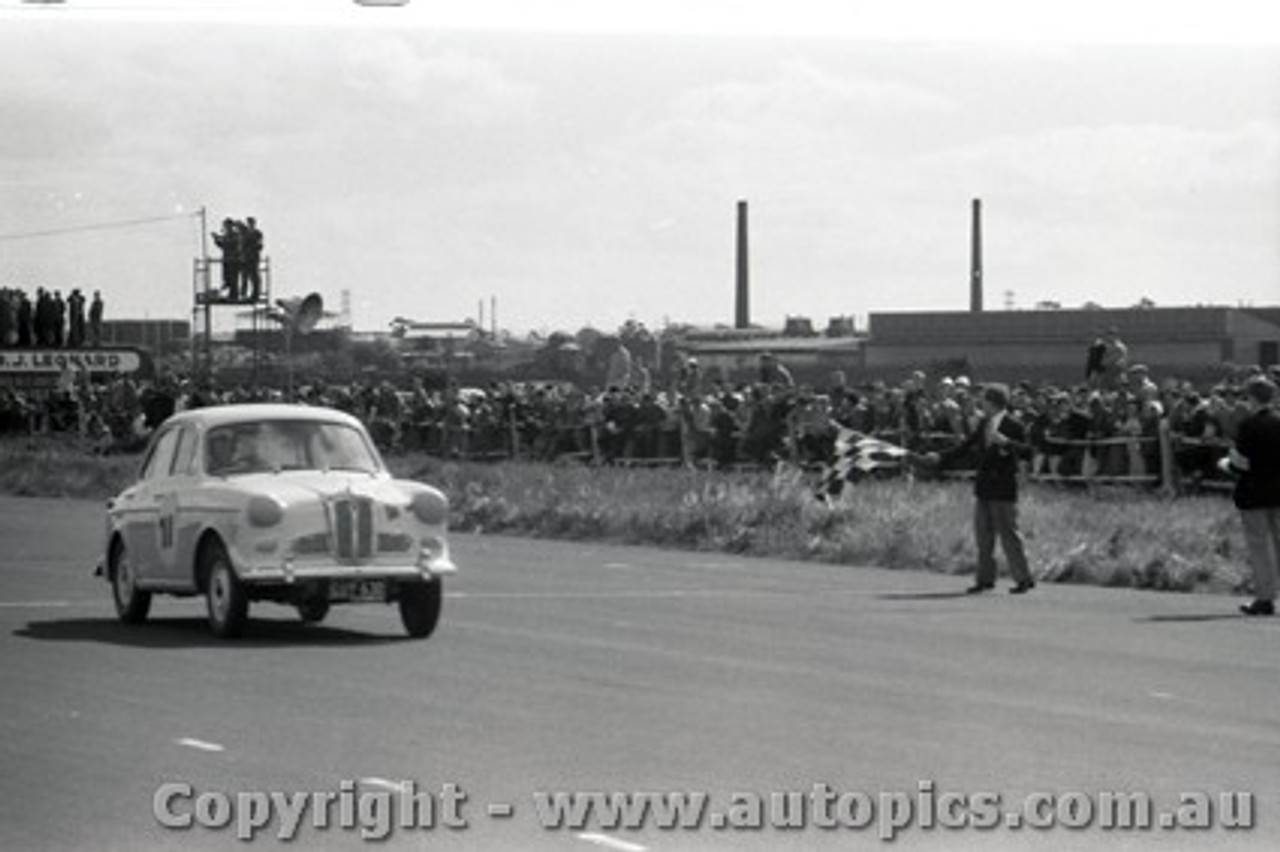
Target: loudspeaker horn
point(302, 313)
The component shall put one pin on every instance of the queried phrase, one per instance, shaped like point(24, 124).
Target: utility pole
point(200, 296)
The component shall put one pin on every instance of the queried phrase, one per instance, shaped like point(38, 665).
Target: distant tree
point(639, 341)
point(1145, 304)
point(1091, 306)
point(587, 337)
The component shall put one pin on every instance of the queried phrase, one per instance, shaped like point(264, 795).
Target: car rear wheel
point(228, 605)
point(132, 604)
point(420, 607)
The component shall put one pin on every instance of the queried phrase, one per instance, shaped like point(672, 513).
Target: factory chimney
point(975, 259)
point(742, 306)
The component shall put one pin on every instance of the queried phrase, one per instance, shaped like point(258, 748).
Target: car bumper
point(289, 571)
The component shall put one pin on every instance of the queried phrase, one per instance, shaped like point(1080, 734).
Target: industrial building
point(157, 335)
point(1191, 342)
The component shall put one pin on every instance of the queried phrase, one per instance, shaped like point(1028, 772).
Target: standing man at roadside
point(1093, 361)
point(774, 372)
point(59, 319)
point(1255, 461)
point(75, 312)
point(251, 257)
point(26, 320)
point(95, 318)
point(999, 441)
point(228, 239)
point(1115, 360)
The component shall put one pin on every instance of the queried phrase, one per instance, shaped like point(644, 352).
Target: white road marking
point(1165, 696)
point(611, 842)
point(199, 745)
point(375, 781)
point(617, 565)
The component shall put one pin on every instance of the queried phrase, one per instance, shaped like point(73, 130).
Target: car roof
point(222, 415)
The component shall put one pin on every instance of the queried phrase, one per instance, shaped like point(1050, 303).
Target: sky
point(580, 162)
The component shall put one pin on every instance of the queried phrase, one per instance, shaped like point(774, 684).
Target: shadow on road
point(922, 596)
point(194, 633)
point(1191, 618)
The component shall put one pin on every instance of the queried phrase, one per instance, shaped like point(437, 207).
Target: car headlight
point(430, 507)
point(265, 511)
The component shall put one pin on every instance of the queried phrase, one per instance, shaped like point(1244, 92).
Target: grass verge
point(1115, 538)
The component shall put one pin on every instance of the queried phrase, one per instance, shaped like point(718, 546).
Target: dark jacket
point(1258, 441)
point(997, 464)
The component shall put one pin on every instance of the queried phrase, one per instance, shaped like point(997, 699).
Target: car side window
point(185, 453)
point(160, 461)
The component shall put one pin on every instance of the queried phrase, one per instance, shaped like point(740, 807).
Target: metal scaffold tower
point(227, 290)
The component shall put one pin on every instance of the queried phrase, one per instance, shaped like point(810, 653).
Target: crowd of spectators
point(1081, 431)
point(48, 319)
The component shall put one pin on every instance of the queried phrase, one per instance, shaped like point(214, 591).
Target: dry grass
point(1111, 538)
point(1116, 538)
point(47, 467)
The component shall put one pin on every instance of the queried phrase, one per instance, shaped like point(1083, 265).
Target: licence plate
point(358, 590)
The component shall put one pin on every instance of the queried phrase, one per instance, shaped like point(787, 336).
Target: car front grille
point(352, 529)
point(311, 545)
point(393, 543)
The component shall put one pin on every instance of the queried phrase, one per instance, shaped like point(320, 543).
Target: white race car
point(283, 503)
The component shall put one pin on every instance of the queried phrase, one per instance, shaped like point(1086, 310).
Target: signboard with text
point(54, 361)
point(42, 369)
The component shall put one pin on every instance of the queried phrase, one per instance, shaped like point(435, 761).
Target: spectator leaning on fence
point(1255, 460)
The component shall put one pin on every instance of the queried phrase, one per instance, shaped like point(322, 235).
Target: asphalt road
point(577, 667)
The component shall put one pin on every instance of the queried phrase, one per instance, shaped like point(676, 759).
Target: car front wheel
point(312, 610)
point(132, 603)
point(228, 605)
point(420, 607)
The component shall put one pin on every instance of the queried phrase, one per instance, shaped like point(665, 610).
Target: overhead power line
point(97, 226)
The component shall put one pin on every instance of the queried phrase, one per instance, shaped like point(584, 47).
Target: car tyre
point(227, 603)
point(132, 604)
point(420, 607)
point(312, 610)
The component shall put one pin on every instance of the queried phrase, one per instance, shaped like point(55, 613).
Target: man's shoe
point(979, 588)
point(1023, 587)
point(1259, 607)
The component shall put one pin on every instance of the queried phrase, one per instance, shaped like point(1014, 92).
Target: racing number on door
point(166, 531)
point(168, 510)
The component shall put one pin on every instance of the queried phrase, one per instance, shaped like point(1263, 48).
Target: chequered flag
point(857, 456)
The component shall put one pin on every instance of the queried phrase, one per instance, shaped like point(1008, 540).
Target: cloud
point(802, 91)
point(449, 85)
point(1091, 162)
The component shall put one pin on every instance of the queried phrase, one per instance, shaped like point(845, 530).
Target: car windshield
point(275, 445)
